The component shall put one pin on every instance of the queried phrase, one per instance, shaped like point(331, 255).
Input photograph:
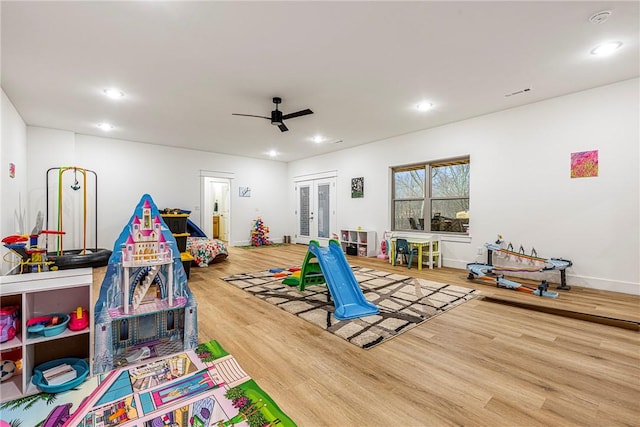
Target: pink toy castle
point(146, 243)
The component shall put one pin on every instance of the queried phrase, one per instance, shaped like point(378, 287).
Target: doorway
point(216, 208)
point(316, 210)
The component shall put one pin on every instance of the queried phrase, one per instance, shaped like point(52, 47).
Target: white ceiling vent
point(600, 17)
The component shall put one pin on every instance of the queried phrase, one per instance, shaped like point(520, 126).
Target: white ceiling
point(360, 66)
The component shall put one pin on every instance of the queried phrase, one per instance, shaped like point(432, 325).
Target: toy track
point(594, 318)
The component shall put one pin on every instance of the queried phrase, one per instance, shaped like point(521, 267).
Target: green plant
point(241, 402)
point(204, 354)
point(26, 402)
point(234, 393)
point(257, 420)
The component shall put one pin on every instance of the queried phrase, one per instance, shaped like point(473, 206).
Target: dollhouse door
point(316, 212)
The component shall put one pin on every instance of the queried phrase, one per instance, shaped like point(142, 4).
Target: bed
point(206, 251)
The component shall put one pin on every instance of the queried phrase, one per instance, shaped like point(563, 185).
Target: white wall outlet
point(480, 251)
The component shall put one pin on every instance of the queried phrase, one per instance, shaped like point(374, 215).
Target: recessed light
point(424, 106)
point(273, 153)
point(114, 93)
point(105, 126)
point(606, 48)
point(317, 139)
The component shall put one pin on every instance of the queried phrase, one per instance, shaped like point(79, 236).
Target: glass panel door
point(323, 194)
point(316, 211)
point(304, 211)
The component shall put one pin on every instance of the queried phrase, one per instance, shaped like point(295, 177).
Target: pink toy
point(79, 319)
point(8, 322)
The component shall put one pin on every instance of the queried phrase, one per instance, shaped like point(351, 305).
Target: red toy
point(79, 319)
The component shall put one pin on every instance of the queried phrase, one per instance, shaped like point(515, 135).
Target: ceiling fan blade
point(283, 127)
point(251, 115)
point(297, 114)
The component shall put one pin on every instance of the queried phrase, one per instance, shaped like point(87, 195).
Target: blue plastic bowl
point(79, 365)
point(51, 331)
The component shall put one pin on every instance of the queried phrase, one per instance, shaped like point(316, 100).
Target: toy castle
point(145, 307)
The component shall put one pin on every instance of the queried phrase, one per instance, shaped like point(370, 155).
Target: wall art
point(357, 187)
point(584, 164)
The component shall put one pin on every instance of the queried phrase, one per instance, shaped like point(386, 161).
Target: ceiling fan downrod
point(276, 115)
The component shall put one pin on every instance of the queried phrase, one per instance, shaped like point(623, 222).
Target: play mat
point(201, 387)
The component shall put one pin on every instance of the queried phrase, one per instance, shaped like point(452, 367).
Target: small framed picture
point(584, 164)
point(357, 187)
point(245, 192)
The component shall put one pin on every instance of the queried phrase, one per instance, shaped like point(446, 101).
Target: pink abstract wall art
point(584, 164)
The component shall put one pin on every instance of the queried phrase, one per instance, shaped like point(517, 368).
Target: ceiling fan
point(277, 118)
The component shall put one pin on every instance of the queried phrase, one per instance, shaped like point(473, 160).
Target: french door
point(316, 212)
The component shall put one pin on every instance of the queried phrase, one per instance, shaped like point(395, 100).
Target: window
point(438, 191)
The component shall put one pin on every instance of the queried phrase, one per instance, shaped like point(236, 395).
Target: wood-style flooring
point(480, 364)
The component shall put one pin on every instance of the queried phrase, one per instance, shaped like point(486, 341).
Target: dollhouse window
point(124, 330)
point(171, 324)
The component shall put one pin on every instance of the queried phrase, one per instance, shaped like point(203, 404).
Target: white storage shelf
point(363, 241)
point(39, 294)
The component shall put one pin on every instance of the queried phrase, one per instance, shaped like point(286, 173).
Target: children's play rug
point(403, 301)
point(200, 388)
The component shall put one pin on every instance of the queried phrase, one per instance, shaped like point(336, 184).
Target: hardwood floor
point(480, 364)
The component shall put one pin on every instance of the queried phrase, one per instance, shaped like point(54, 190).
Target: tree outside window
point(443, 199)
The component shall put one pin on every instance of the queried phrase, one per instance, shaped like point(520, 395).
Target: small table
point(419, 243)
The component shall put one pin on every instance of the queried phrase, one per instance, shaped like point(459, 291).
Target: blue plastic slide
point(345, 290)
point(194, 230)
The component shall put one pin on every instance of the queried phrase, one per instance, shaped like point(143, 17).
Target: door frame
point(314, 179)
point(206, 197)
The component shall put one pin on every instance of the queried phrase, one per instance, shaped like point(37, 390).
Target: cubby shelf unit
point(358, 242)
point(39, 294)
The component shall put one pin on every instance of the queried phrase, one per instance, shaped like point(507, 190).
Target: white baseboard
point(248, 242)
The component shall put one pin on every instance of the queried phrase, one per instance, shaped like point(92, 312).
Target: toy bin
point(46, 326)
point(186, 259)
point(177, 223)
point(80, 366)
point(181, 240)
point(9, 323)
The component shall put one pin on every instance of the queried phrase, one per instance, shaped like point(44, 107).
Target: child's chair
point(403, 250)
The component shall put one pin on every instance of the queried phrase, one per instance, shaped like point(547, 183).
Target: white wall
point(13, 149)
point(48, 148)
point(172, 176)
point(520, 182)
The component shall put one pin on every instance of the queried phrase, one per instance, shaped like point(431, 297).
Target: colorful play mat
point(201, 387)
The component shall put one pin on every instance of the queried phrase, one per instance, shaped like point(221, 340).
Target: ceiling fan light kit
point(277, 118)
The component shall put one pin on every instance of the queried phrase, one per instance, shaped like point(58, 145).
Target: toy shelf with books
point(358, 242)
point(45, 295)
